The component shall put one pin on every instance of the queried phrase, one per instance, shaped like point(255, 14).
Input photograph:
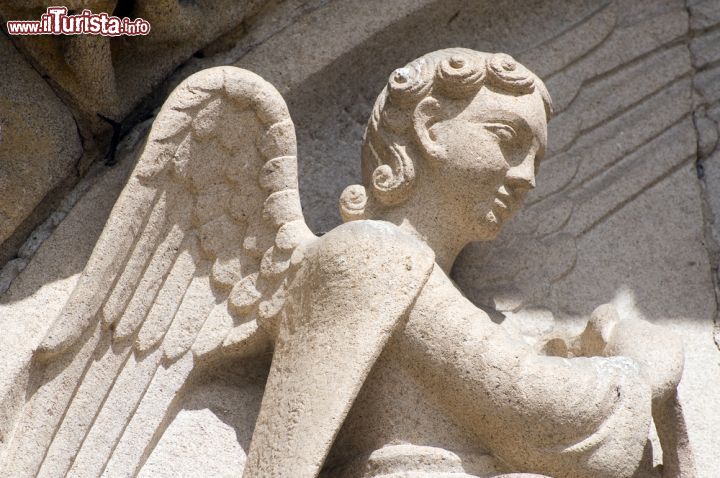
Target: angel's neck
point(444, 243)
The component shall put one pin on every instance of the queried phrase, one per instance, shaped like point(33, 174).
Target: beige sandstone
point(622, 217)
point(110, 76)
point(206, 260)
point(39, 142)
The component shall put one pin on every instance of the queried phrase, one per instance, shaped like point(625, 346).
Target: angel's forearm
point(534, 411)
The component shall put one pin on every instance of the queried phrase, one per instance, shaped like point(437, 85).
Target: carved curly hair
point(389, 142)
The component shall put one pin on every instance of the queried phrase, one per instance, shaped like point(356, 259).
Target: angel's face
point(491, 148)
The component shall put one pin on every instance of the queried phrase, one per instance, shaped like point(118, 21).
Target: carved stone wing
point(192, 258)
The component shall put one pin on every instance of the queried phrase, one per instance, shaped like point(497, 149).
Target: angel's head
point(456, 134)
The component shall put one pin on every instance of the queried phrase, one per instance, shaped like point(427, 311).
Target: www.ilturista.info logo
point(56, 21)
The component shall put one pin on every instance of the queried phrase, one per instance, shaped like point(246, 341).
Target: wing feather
point(282, 207)
point(258, 239)
point(214, 330)
point(142, 254)
point(196, 248)
point(52, 387)
point(86, 403)
point(196, 306)
point(149, 285)
point(246, 340)
point(279, 174)
point(118, 409)
point(167, 302)
point(245, 295)
point(112, 250)
point(154, 408)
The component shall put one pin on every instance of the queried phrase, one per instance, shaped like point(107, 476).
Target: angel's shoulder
point(360, 240)
point(372, 249)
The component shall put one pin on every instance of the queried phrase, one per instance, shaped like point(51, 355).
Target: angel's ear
point(427, 113)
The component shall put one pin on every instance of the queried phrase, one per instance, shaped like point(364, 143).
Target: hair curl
point(389, 142)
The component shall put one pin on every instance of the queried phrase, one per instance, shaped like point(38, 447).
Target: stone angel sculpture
point(380, 365)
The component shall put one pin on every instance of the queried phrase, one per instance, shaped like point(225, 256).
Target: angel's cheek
point(475, 166)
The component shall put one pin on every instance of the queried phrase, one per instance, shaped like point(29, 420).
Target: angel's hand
point(655, 349)
point(660, 355)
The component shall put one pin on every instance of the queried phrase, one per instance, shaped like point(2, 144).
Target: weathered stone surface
point(39, 142)
point(211, 433)
point(110, 75)
point(705, 19)
point(704, 14)
point(617, 215)
point(46, 283)
point(456, 133)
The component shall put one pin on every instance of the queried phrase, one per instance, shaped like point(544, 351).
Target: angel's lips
point(505, 202)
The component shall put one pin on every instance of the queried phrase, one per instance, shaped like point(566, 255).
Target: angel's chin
point(487, 228)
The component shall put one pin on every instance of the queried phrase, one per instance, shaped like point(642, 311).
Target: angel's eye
point(504, 132)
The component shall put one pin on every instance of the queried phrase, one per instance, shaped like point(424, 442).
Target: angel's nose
point(522, 176)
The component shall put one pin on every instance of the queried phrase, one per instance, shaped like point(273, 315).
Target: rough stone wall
point(40, 147)
point(627, 207)
point(705, 54)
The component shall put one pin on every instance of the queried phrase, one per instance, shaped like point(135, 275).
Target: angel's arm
point(352, 292)
point(533, 412)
